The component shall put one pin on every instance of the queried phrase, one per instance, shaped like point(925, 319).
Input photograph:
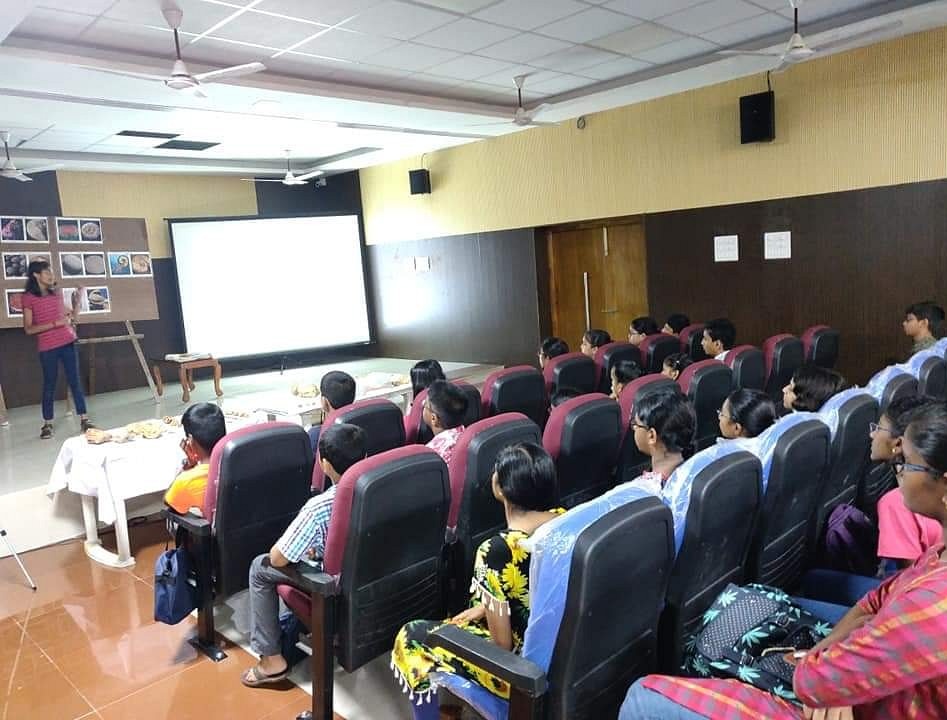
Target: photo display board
point(105, 259)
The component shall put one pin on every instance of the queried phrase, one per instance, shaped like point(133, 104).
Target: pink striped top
point(49, 309)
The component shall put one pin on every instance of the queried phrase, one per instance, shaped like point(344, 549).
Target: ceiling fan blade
point(23, 178)
point(757, 53)
point(782, 66)
point(539, 123)
point(310, 174)
point(279, 180)
point(43, 168)
point(231, 72)
point(197, 93)
point(858, 37)
point(124, 73)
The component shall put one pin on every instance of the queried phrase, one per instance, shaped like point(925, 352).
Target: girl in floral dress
point(524, 480)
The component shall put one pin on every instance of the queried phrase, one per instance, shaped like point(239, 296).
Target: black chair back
point(900, 386)
point(781, 547)
point(608, 636)
point(748, 366)
point(611, 355)
point(706, 384)
point(932, 378)
point(721, 518)
point(655, 349)
point(518, 389)
point(574, 371)
point(786, 355)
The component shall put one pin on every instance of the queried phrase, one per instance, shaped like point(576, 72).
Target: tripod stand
point(3, 534)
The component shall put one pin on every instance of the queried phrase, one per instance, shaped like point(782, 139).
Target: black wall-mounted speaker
point(420, 182)
point(758, 117)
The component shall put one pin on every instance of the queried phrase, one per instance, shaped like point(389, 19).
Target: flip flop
point(255, 677)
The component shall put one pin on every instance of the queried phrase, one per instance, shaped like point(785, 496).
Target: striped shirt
point(309, 529)
point(48, 309)
point(894, 667)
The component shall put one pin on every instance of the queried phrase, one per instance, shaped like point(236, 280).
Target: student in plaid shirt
point(885, 660)
point(340, 447)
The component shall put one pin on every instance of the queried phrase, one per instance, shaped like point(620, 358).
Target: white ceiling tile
point(634, 40)
point(573, 59)
point(423, 84)
point(650, 9)
point(615, 68)
point(113, 34)
point(213, 51)
point(266, 30)
point(460, 6)
point(523, 48)
point(504, 78)
point(481, 91)
point(329, 12)
point(408, 56)
point(709, 16)
point(469, 67)
point(57, 24)
point(677, 50)
point(346, 45)
point(466, 35)
point(748, 30)
point(368, 75)
point(561, 84)
point(90, 7)
point(529, 14)
point(304, 66)
point(587, 25)
point(811, 11)
point(773, 4)
point(64, 140)
point(198, 16)
point(399, 20)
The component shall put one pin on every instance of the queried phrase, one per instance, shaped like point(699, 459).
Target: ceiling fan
point(797, 50)
point(521, 116)
point(9, 171)
point(289, 178)
point(180, 78)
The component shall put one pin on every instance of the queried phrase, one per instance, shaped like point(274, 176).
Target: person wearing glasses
point(745, 414)
point(664, 423)
point(640, 328)
point(903, 536)
point(549, 348)
point(885, 658)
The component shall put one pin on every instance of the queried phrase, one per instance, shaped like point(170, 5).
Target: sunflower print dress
point(501, 583)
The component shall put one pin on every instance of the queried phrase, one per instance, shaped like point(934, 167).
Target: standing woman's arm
point(31, 329)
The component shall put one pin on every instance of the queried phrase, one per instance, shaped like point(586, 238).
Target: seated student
point(922, 323)
point(444, 410)
point(423, 374)
point(623, 372)
point(337, 389)
point(524, 480)
point(203, 426)
point(664, 424)
point(593, 340)
point(675, 323)
point(720, 335)
point(563, 394)
point(640, 328)
point(883, 659)
point(903, 536)
point(340, 447)
point(675, 364)
point(810, 387)
point(745, 414)
point(549, 348)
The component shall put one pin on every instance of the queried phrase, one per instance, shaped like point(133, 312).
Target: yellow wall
point(154, 197)
point(870, 117)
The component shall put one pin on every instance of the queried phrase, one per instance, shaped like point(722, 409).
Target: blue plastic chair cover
point(549, 566)
point(676, 493)
point(913, 365)
point(765, 444)
point(940, 346)
point(830, 409)
point(879, 381)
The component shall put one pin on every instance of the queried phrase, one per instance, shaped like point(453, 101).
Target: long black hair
point(526, 475)
point(813, 385)
point(423, 374)
point(928, 433)
point(754, 410)
point(671, 416)
point(32, 284)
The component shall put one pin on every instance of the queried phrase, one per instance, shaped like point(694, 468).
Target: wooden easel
point(132, 337)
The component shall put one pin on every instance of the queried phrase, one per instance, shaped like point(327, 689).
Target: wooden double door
point(598, 278)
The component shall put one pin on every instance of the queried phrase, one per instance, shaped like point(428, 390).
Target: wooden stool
point(186, 370)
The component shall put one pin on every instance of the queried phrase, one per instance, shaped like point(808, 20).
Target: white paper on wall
point(726, 248)
point(777, 245)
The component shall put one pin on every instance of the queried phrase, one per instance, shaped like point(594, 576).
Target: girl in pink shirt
point(45, 316)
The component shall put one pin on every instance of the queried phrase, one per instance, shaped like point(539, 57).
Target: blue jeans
point(829, 594)
point(50, 360)
point(644, 704)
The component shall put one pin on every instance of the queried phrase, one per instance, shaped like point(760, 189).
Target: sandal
point(255, 677)
point(86, 424)
point(46, 432)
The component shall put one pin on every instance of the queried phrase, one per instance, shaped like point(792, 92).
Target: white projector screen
point(272, 285)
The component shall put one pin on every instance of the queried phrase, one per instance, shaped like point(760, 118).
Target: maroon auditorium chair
point(691, 338)
point(520, 388)
point(706, 384)
point(748, 367)
point(416, 430)
point(655, 348)
point(820, 345)
point(607, 356)
point(631, 461)
point(782, 355)
point(573, 370)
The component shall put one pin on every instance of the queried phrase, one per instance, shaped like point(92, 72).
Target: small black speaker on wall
point(420, 181)
point(758, 117)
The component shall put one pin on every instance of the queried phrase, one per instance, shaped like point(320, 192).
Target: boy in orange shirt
point(204, 426)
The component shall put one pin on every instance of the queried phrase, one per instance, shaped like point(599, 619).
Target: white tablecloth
point(116, 471)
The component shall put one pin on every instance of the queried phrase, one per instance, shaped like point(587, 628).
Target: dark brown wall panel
point(478, 302)
point(858, 258)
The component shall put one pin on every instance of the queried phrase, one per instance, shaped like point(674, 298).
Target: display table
point(185, 370)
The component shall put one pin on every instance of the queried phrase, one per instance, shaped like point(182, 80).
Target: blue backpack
point(175, 597)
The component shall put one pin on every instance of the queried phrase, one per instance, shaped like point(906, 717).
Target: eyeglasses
point(901, 467)
point(875, 427)
point(721, 416)
point(639, 425)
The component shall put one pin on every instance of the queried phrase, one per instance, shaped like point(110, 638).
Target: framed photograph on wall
point(120, 264)
point(67, 230)
point(14, 303)
point(12, 230)
point(71, 264)
point(94, 264)
point(37, 229)
point(141, 264)
point(90, 230)
point(15, 265)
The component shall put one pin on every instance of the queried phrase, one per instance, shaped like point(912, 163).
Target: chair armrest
point(517, 671)
point(310, 580)
point(191, 523)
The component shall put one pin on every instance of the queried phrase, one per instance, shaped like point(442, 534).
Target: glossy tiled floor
point(84, 645)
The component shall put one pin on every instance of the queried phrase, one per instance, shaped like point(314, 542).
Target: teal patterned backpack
point(745, 634)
